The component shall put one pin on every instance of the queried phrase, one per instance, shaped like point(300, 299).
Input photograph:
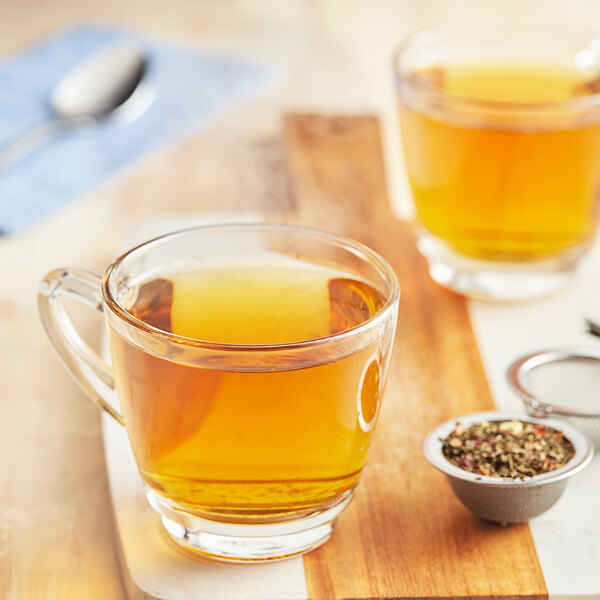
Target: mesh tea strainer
point(505, 500)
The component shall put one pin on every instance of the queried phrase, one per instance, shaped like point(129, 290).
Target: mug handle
point(85, 365)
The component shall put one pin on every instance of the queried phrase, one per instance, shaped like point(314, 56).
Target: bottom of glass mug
point(242, 543)
point(489, 280)
point(250, 501)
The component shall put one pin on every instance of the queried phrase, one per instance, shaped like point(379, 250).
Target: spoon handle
point(593, 327)
point(24, 145)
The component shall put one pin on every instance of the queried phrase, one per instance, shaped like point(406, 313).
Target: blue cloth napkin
point(192, 88)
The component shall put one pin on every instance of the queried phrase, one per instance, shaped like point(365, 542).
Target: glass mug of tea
point(249, 363)
point(501, 131)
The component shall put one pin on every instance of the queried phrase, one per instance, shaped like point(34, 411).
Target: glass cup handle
point(84, 363)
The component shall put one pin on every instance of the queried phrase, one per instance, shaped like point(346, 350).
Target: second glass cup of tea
point(501, 131)
point(249, 363)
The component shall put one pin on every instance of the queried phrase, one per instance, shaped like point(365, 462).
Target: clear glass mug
point(249, 363)
point(501, 130)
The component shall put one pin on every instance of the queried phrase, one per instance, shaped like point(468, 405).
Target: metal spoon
point(110, 83)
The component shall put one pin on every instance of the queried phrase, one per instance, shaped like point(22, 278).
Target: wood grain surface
point(405, 535)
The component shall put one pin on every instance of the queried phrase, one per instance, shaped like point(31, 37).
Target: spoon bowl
point(100, 84)
point(109, 84)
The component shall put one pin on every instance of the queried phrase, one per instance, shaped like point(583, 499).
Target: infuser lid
point(562, 382)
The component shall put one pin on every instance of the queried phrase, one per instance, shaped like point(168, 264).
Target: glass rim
point(358, 249)
point(426, 34)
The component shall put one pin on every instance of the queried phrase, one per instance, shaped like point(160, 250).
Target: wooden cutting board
point(404, 535)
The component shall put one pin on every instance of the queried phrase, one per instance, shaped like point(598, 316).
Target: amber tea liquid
point(504, 188)
point(243, 445)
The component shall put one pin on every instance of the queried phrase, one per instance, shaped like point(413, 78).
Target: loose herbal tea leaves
point(512, 449)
